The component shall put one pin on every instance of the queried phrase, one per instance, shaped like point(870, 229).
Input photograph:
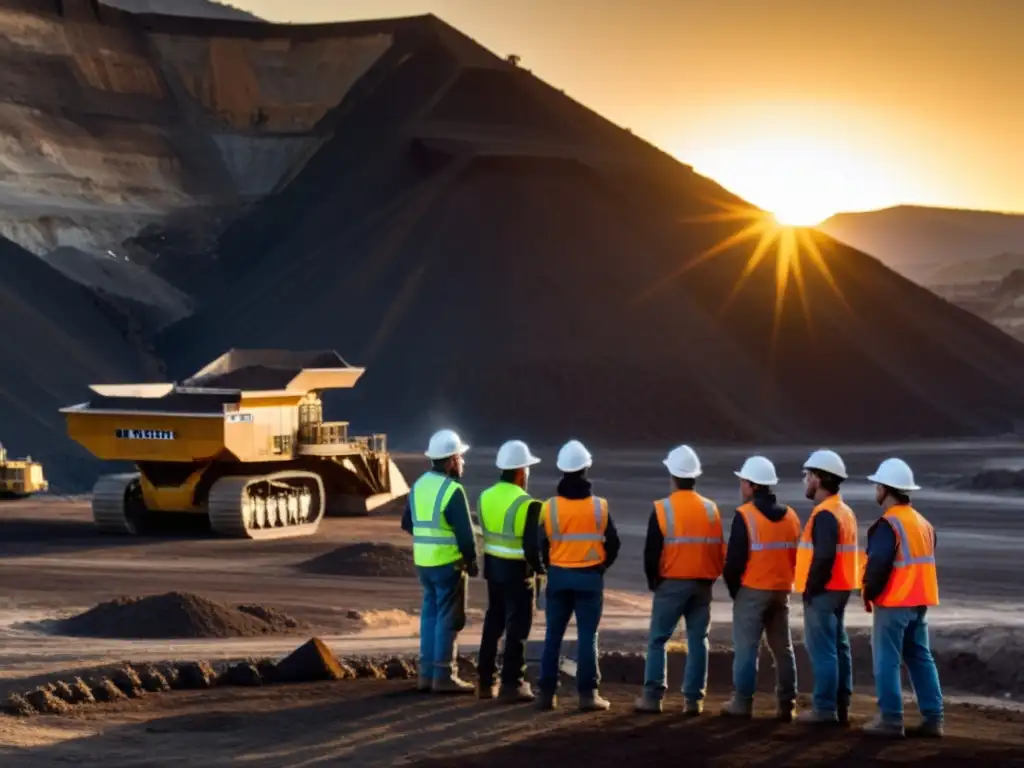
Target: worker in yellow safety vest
point(683, 557)
point(900, 585)
point(444, 552)
point(579, 543)
point(760, 567)
point(508, 519)
point(827, 571)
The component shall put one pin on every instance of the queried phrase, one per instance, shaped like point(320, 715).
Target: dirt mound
point(176, 614)
point(364, 559)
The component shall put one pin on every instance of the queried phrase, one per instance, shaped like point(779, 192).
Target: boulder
point(104, 690)
point(46, 703)
point(128, 681)
point(153, 680)
point(309, 663)
point(195, 675)
point(18, 706)
point(242, 675)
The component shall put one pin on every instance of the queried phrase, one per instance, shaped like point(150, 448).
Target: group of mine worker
point(570, 539)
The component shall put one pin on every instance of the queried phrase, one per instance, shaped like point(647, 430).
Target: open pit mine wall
point(114, 124)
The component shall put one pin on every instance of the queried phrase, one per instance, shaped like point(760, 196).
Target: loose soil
point(364, 559)
point(176, 615)
point(385, 723)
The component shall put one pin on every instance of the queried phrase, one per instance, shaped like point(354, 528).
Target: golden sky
point(803, 107)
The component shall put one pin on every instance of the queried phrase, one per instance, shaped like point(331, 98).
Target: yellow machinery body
point(20, 478)
point(243, 442)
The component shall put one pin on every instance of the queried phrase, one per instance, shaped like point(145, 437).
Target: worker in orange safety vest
point(760, 568)
point(900, 585)
point(683, 557)
point(827, 571)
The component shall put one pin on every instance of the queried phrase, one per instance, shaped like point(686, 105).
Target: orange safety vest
point(914, 581)
point(846, 569)
point(694, 547)
point(772, 561)
point(575, 530)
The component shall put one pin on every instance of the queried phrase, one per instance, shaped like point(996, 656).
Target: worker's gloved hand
point(473, 569)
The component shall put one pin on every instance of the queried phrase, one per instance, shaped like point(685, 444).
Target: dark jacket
point(575, 487)
point(456, 513)
point(825, 536)
point(738, 553)
point(654, 544)
point(502, 569)
point(881, 557)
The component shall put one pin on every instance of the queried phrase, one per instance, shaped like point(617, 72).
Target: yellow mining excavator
point(20, 478)
point(243, 441)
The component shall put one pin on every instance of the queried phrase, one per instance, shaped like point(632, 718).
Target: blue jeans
point(570, 591)
point(677, 599)
point(900, 635)
point(829, 648)
point(757, 612)
point(442, 618)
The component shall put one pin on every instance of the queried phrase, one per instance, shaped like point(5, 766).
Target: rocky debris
point(364, 559)
point(79, 692)
point(268, 670)
point(994, 480)
point(46, 703)
point(365, 668)
point(170, 673)
point(397, 668)
point(195, 675)
point(127, 680)
point(63, 692)
point(176, 614)
point(104, 690)
point(18, 706)
point(309, 663)
point(153, 680)
point(241, 674)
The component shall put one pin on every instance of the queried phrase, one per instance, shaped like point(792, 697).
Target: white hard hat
point(827, 461)
point(683, 462)
point(573, 457)
point(444, 444)
point(515, 454)
point(759, 471)
point(895, 473)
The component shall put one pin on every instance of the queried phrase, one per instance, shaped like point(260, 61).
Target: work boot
point(592, 702)
point(547, 702)
point(425, 684)
point(738, 707)
point(647, 704)
point(520, 694)
point(843, 713)
point(786, 713)
point(453, 684)
point(485, 691)
point(927, 729)
point(814, 717)
point(884, 728)
point(692, 708)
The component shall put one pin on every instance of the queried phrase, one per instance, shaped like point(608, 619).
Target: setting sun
point(801, 180)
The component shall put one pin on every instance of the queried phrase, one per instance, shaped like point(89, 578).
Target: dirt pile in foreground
point(364, 559)
point(176, 614)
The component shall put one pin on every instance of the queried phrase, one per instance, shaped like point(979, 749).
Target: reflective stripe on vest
point(433, 540)
point(914, 581)
point(507, 542)
point(582, 548)
point(694, 547)
point(846, 572)
point(771, 563)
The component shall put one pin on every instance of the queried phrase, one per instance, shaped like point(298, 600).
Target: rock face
point(177, 180)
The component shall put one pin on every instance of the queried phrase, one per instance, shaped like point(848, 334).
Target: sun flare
point(795, 249)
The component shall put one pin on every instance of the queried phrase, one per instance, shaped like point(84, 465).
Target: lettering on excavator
point(145, 434)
